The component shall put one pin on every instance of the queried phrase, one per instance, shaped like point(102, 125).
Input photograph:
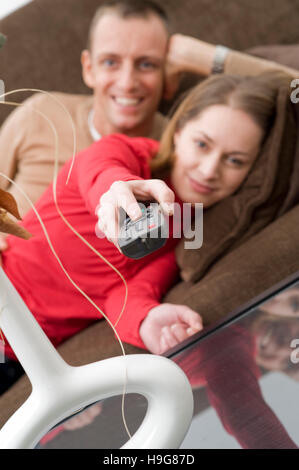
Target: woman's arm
point(114, 172)
point(145, 322)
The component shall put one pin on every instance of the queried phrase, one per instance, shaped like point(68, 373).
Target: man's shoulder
point(49, 99)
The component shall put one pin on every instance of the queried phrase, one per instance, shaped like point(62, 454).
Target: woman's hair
point(254, 95)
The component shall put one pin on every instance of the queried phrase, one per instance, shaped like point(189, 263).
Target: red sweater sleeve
point(145, 291)
point(112, 158)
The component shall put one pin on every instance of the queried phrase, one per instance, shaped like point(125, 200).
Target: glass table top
point(244, 374)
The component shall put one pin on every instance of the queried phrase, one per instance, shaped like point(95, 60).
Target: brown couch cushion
point(256, 204)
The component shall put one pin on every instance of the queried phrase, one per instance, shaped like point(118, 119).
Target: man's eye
point(108, 62)
point(147, 65)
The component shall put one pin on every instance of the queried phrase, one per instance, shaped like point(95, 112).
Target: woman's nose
point(209, 166)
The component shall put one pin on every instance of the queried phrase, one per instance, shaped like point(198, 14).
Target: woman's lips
point(199, 187)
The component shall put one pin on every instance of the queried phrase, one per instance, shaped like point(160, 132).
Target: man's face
point(125, 68)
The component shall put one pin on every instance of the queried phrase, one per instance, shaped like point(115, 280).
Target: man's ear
point(87, 72)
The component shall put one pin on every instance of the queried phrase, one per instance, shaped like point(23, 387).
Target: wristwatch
point(219, 59)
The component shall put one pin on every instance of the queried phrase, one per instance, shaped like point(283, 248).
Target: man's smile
point(127, 102)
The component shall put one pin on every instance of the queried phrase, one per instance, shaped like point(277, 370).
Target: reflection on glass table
point(99, 426)
point(245, 379)
point(248, 373)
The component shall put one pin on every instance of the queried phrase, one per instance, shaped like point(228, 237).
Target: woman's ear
point(87, 70)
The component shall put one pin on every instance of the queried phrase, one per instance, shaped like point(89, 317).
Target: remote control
point(141, 237)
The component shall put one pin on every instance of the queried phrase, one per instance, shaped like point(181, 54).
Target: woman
point(206, 153)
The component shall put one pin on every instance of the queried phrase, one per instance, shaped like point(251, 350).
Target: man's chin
point(130, 128)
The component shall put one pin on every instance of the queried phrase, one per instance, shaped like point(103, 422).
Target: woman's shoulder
point(143, 146)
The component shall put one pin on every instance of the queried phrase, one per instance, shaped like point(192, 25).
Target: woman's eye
point(294, 303)
point(201, 144)
point(235, 161)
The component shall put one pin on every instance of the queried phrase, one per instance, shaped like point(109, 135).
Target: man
point(130, 63)
point(124, 65)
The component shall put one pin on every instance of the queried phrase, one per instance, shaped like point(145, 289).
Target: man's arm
point(14, 134)
point(188, 54)
point(11, 134)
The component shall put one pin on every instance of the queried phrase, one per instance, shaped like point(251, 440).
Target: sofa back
point(45, 37)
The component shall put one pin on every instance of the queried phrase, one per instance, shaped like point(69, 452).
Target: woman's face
point(286, 304)
point(273, 350)
point(213, 154)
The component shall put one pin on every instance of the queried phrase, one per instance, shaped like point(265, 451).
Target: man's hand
point(173, 67)
point(167, 325)
point(186, 54)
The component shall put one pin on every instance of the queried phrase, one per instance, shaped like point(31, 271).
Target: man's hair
point(128, 9)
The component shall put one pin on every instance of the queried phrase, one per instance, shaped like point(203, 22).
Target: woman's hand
point(167, 325)
point(124, 194)
point(83, 419)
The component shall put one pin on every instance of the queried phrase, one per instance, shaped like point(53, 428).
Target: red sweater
point(31, 266)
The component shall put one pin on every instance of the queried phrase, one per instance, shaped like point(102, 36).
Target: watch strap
point(219, 59)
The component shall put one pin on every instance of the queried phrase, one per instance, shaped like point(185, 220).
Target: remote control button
point(139, 225)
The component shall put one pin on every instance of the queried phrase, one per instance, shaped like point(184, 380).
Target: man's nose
point(209, 166)
point(127, 79)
